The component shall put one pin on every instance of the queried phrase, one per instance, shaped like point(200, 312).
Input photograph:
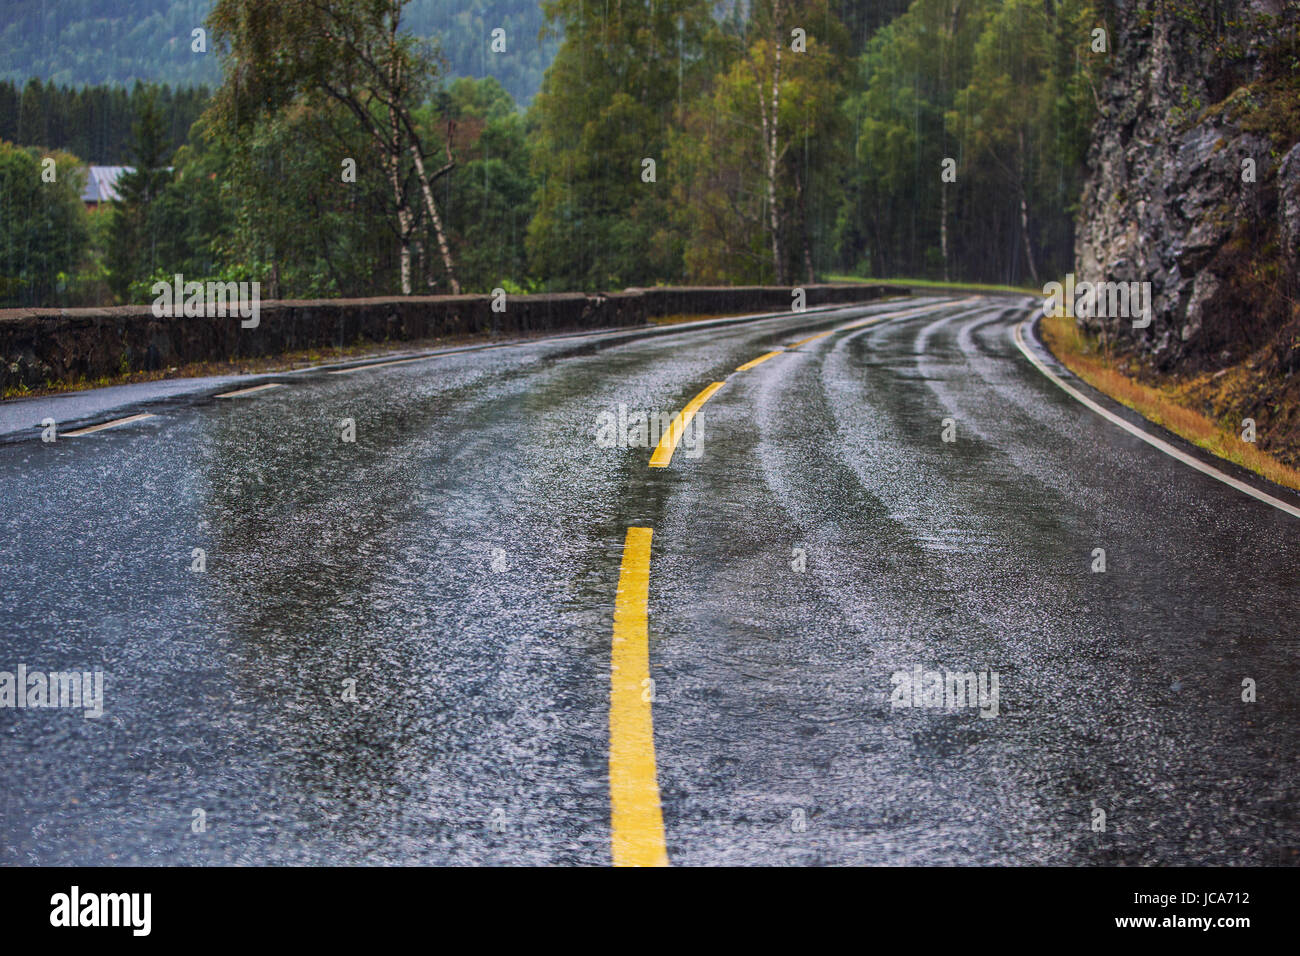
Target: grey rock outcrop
point(1177, 186)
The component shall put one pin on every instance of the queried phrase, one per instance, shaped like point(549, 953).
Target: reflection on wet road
point(369, 618)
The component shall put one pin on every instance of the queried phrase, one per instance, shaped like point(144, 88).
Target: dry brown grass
point(1168, 405)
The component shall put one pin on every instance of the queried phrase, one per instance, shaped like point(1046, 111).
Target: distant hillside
point(77, 42)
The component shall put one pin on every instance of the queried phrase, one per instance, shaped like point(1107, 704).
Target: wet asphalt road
point(459, 563)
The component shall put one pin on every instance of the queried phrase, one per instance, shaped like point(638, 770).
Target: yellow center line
point(758, 361)
point(663, 454)
point(113, 424)
point(811, 338)
point(249, 391)
point(636, 817)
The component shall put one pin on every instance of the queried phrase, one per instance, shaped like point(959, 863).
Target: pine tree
point(133, 254)
point(620, 82)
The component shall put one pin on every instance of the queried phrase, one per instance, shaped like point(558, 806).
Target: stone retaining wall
point(44, 347)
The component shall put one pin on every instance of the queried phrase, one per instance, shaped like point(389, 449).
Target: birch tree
point(356, 53)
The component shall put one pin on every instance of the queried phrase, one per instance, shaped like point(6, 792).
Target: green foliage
point(293, 223)
point(353, 66)
point(93, 122)
point(722, 193)
point(1004, 89)
point(911, 72)
point(617, 87)
point(134, 233)
point(555, 198)
point(490, 199)
point(1022, 121)
point(43, 227)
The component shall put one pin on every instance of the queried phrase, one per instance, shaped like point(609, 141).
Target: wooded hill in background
point(674, 141)
point(94, 42)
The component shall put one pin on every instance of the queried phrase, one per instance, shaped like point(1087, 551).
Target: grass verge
point(943, 286)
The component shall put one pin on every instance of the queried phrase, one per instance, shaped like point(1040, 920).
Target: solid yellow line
point(113, 424)
point(663, 454)
point(758, 361)
point(811, 338)
point(636, 819)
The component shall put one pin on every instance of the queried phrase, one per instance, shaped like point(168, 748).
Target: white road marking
point(1151, 440)
point(249, 391)
point(367, 368)
point(113, 424)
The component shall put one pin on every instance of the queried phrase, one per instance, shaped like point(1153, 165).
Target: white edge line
point(240, 393)
point(1152, 440)
point(113, 424)
point(366, 368)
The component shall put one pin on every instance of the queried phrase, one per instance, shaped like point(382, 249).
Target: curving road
point(399, 647)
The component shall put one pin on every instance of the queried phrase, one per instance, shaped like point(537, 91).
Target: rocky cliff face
point(1194, 186)
point(1194, 179)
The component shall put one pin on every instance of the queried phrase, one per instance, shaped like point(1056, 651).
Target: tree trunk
point(943, 226)
point(432, 208)
point(405, 255)
point(1024, 212)
point(405, 221)
point(771, 140)
point(1024, 229)
point(802, 199)
point(774, 210)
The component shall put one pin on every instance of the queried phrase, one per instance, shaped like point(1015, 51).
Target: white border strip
point(1151, 440)
point(250, 391)
point(113, 424)
point(405, 361)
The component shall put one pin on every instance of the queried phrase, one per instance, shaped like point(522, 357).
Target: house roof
point(101, 183)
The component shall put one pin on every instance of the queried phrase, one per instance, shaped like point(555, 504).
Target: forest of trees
point(119, 42)
point(94, 122)
point(672, 141)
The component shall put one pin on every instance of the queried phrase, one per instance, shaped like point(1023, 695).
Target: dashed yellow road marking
point(663, 454)
point(249, 391)
point(636, 816)
point(758, 361)
point(113, 424)
point(811, 338)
